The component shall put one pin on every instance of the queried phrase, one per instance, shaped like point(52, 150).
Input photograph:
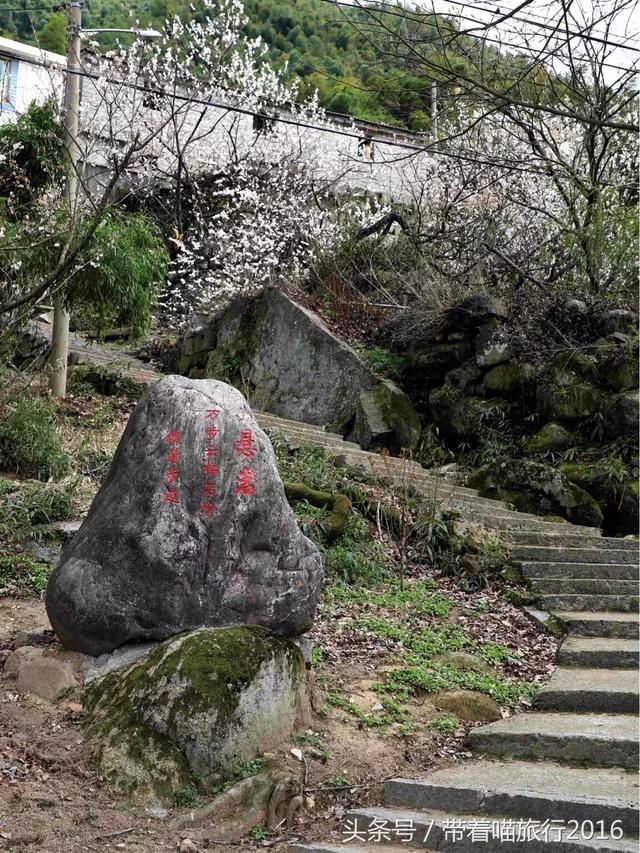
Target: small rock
point(297, 754)
point(157, 812)
point(470, 705)
point(618, 320)
point(42, 673)
point(463, 660)
point(377, 707)
point(39, 637)
point(187, 846)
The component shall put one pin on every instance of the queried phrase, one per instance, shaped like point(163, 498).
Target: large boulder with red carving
point(190, 528)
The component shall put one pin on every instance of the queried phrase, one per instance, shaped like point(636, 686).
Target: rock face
point(290, 364)
point(190, 528)
point(196, 709)
point(538, 488)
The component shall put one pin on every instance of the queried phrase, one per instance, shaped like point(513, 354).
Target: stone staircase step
point(517, 521)
point(575, 584)
point(603, 624)
point(597, 691)
point(436, 831)
point(553, 554)
point(612, 571)
point(573, 538)
point(598, 652)
point(566, 601)
point(602, 740)
point(523, 790)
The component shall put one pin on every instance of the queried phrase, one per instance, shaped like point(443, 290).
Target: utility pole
point(60, 333)
point(434, 109)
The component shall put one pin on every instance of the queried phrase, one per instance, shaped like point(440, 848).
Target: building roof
point(8, 47)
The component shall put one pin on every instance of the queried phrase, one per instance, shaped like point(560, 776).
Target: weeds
point(30, 443)
point(23, 506)
point(419, 596)
point(446, 725)
point(22, 576)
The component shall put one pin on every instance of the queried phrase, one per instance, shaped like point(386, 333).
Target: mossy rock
point(617, 363)
point(571, 367)
point(509, 378)
point(552, 438)
point(459, 416)
point(567, 401)
point(385, 417)
point(540, 489)
point(620, 414)
point(617, 496)
point(466, 661)
point(199, 706)
point(470, 705)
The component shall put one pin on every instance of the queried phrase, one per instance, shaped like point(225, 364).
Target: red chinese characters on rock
point(246, 479)
point(172, 473)
point(208, 506)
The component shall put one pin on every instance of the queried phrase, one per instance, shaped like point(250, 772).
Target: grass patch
point(420, 596)
point(447, 724)
point(28, 505)
point(391, 714)
point(23, 576)
point(420, 676)
point(30, 443)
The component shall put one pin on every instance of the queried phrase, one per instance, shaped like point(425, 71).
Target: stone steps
point(599, 571)
point(602, 624)
point(601, 740)
point(523, 790)
point(436, 831)
point(597, 691)
point(600, 652)
point(583, 586)
point(560, 554)
point(621, 603)
point(570, 539)
point(586, 715)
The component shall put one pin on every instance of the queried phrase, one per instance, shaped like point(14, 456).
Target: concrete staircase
point(573, 758)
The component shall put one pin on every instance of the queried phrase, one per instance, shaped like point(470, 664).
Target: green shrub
point(30, 443)
point(382, 361)
point(124, 266)
point(21, 575)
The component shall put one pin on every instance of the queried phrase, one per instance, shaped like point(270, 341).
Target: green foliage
point(30, 443)
point(432, 678)
point(33, 152)
point(382, 361)
point(23, 506)
point(391, 714)
point(187, 796)
point(357, 562)
point(447, 724)
point(258, 833)
point(417, 596)
point(53, 36)
point(22, 576)
point(120, 274)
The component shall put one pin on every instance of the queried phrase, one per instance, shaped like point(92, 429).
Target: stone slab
point(609, 691)
point(603, 624)
point(599, 652)
point(604, 740)
point(520, 789)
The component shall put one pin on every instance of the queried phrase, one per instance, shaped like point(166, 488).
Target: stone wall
point(572, 418)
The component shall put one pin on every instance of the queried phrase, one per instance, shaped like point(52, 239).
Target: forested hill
point(316, 38)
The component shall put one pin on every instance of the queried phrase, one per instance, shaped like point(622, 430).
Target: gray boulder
point(621, 414)
point(196, 709)
point(285, 359)
point(386, 418)
point(190, 528)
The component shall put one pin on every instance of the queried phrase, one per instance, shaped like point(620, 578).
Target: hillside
point(319, 43)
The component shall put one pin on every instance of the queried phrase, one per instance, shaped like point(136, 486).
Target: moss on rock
point(509, 378)
point(195, 709)
point(340, 505)
point(385, 417)
point(567, 401)
point(552, 437)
